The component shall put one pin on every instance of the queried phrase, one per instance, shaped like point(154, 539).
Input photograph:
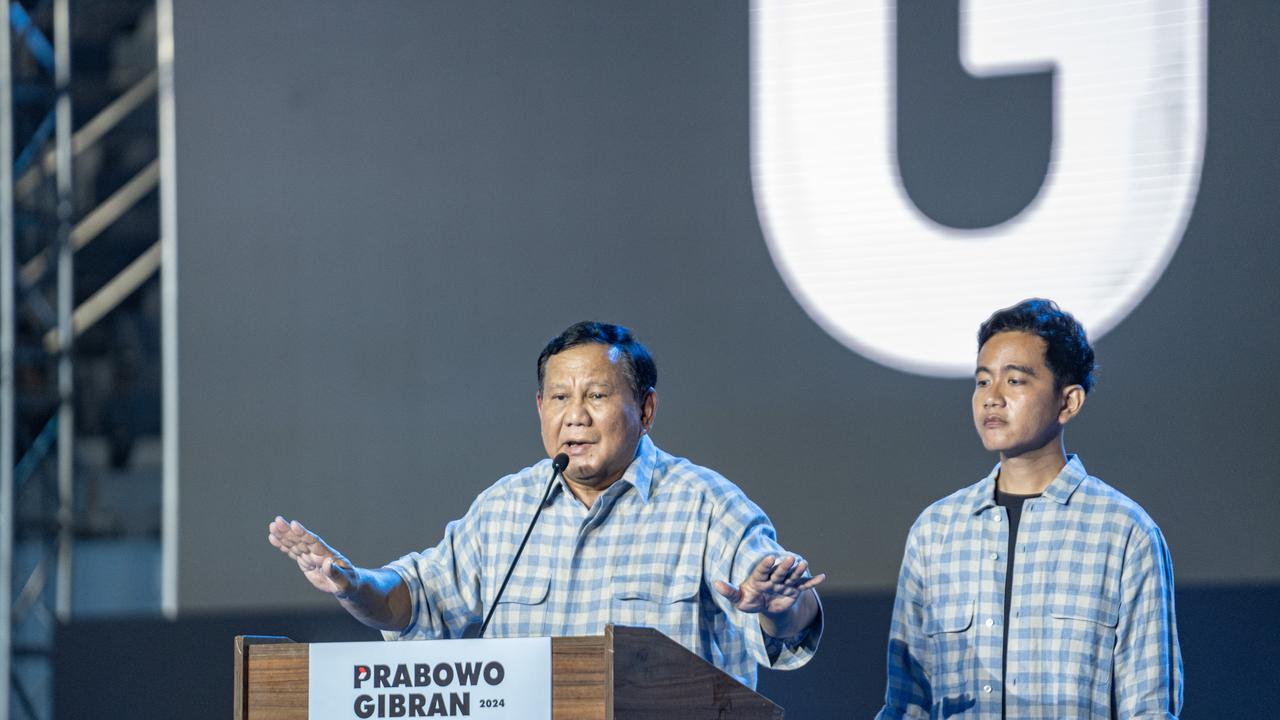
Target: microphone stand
point(558, 465)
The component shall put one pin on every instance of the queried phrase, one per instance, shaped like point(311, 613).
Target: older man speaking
point(628, 534)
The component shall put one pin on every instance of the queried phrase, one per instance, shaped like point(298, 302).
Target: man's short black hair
point(1067, 351)
point(637, 366)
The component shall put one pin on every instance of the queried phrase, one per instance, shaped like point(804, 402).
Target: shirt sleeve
point(908, 693)
point(739, 540)
point(1148, 661)
point(444, 581)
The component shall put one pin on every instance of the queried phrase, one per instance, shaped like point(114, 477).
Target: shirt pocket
point(1098, 614)
point(660, 602)
point(950, 617)
point(526, 591)
point(1081, 644)
point(948, 627)
point(522, 609)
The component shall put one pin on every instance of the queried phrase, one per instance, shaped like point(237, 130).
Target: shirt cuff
point(793, 652)
point(411, 580)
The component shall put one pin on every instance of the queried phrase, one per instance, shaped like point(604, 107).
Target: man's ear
point(1071, 403)
point(648, 409)
point(537, 401)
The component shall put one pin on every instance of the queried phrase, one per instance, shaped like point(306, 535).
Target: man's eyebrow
point(1020, 368)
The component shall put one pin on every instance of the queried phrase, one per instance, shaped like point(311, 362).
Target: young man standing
point(1040, 591)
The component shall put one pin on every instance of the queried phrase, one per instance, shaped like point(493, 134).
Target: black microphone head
point(560, 462)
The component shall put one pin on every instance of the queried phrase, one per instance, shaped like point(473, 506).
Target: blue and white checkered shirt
point(645, 554)
point(1091, 627)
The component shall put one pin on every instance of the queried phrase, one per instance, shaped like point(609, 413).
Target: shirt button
point(990, 622)
point(995, 516)
point(995, 556)
point(986, 688)
point(1013, 682)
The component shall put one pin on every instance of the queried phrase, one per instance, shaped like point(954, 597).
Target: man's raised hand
point(772, 588)
point(323, 566)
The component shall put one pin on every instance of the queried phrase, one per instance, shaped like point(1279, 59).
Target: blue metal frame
point(41, 136)
point(37, 44)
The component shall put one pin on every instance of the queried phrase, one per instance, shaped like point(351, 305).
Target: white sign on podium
point(490, 679)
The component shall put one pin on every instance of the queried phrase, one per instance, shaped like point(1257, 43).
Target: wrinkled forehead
point(598, 360)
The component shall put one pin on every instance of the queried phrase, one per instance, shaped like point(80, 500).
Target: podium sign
point(489, 679)
point(628, 672)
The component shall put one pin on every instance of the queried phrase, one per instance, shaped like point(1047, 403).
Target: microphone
point(558, 465)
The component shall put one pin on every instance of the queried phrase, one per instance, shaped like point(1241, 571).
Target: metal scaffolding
point(40, 321)
point(7, 319)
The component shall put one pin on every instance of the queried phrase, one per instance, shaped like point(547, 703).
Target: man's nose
point(577, 414)
point(991, 397)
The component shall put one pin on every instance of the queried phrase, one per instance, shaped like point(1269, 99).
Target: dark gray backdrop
point(386, 209)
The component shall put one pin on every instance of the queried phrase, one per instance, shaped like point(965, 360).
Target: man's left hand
point(772, 588)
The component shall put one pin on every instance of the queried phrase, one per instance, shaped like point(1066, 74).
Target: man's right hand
point(377, 597)
point(326, 568)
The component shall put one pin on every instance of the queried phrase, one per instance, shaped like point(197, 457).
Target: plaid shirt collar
point(639, 473)
point(983, 495)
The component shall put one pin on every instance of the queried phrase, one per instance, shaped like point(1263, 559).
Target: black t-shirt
point(1013, 505)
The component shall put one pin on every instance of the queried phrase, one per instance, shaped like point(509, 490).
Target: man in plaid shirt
point(1040, 591)
point(628, 535)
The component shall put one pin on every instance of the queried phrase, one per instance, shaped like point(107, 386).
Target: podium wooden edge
point(642, 659)
point(240, 688)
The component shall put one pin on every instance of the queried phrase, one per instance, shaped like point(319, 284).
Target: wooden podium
point(628, 673)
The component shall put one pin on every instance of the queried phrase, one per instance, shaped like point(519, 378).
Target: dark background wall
point(386, 209)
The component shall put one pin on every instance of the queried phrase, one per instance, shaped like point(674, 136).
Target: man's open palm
point(327, 569)
point(772, 587)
